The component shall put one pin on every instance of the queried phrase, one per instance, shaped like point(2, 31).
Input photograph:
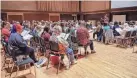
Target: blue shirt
point(17, 41)
point(106, 28)
point(69, 51)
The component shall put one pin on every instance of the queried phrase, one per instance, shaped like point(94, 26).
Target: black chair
point(122, 41)
point(42, 46)
point(134, 38)
point(74, 44)
point(127, 38)
point(7, 54)
point(54, 47)
point(74, 39)
point(134, 33)
point(37, 41)
point(25, 61)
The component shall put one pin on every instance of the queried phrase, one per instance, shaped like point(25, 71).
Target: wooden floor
point(109, 62)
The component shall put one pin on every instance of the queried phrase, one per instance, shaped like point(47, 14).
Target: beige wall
point(18, 5)
point(89, 6)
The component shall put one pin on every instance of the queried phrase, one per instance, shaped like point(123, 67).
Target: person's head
point(82, 24)
point(106, 15)
point(105, 24)
point(7, 25)
point(98, 23)
point(126, 25)
point(19, 28)
point(46, 29)
point(115, 23)
point(13, 30)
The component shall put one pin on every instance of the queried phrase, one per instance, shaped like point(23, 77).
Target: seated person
point(46, 36)
point(114, 29)
point(17, 41)
point(63, 45)
point(6, 31)
point(83, 37)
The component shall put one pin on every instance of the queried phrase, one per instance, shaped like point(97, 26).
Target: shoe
point(75, 62)
point(40, 61)
point(67, 67)
point(87, 52)
point(93, 51)
point(38, 66)
point(43, 62)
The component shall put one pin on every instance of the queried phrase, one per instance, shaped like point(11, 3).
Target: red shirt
point(46, 36)
point(6, 33)
point(83, 35)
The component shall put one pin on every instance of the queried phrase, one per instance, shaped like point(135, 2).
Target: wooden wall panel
point(4, 16)
point(66, 17)
point(36, 16)
point(19, 5)
point(15, 17)
point(58, 6)
point(54, 18)
point(89, 6)
point(93, 16)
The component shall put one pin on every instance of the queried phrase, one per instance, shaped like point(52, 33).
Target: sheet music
point(27, 37)
point(63, 35)
point(25, 32)
point(90, 31)
point(119, 30)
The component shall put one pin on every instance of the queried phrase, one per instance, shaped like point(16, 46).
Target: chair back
point(73, 39)
point(5, 46)
point(32, 42)
point(54, 46)
point(36, 39)
point(42, 41)
point(42, 45)
point(128, 34)
point(13, 50)
point(134, 33)
point(18, 57)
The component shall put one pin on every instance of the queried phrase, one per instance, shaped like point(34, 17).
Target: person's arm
point(20, 41)
point(6, 32)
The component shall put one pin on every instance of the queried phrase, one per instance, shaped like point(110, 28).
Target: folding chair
point(37, 41)
point(7, 54)
point(74, 42)
point(127, 38)
point(32, 42)
point(54, 47)
point(123, 40)
point(25, 61)
point(42, 45)
point(134, 37)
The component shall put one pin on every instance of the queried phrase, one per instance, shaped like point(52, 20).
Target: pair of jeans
point(95, 33)
point(99, 37)
point(91, 45)
point(30, 51)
